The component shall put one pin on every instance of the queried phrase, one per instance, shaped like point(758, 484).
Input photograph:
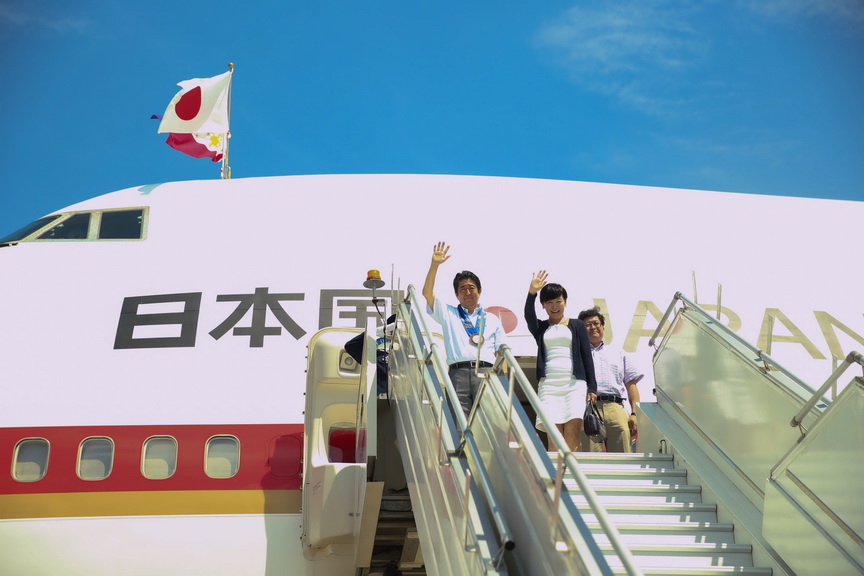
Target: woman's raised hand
point(538, 280)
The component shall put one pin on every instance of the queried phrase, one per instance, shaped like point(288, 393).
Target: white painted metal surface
point(626, 248)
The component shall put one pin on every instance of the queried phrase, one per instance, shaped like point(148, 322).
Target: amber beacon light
point(373, 280)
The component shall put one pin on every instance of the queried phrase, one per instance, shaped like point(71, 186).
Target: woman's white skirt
point(562, 399)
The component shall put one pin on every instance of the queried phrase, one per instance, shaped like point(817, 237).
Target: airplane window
point(95, 458)
point(73, 228)
point(122, 224)
point(222, 457)
point(159, 457)
point(31, 460)
point(27, 230)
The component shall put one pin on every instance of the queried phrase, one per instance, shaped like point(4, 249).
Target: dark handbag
point(594, 426)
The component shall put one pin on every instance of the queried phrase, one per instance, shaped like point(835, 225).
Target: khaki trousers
point(617, 421)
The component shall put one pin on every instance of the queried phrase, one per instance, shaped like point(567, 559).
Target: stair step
point(634, 485)
point(652, 506)
point(659, 519)
point(395, 520)
point(701, 571)
point(630, 469)
point(390, 539)
point(655, 474)
point(396, 525)
point(624, 498)
point(699, 555)
point(620, 456)
point(404, 495)
point(668, 538)
point(660, 513)
point(677, 528)
point(396, 501)
point(395, 515)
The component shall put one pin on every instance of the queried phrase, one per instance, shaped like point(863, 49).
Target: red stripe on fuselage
point(270, 458)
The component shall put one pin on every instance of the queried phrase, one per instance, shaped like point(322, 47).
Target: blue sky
point(753, 96)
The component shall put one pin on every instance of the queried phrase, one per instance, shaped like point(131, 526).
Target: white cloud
point(17, 15)
point(637, 51)
point(660, 56)
point(625, 37)
point(10, 14)
point(842, 10)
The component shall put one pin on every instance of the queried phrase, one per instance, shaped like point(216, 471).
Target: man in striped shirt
point(616, 375)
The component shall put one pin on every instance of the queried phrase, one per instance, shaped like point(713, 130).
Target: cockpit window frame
point(93, 230)
point(14, 238)
point(142, 230)
point(65, 226)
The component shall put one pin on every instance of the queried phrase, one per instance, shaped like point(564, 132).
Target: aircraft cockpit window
point(73, 228)
point(95, 458)
point(94, 225)
point(159, 457)
point(30, 461)
point(222, 458)
point(27, 230)
point(121, 225)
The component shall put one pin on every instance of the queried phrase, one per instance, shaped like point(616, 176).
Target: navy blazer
point(583, 363)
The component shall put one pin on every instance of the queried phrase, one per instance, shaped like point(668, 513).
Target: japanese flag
point(200, 107)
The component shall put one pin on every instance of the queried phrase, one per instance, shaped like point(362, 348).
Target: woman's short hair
point(551, 292)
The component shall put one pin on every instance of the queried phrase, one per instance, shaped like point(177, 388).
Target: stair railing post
point(443, 457)
point(466, 494)
point(556, 500)
point(512, 380)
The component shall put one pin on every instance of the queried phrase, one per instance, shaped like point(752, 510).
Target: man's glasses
point(593, 324)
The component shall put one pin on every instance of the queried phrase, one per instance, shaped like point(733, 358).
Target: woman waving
point(565, 369)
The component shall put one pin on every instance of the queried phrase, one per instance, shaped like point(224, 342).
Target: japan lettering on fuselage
point(258, 315)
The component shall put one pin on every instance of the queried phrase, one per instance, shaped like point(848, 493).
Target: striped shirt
point(613, 369)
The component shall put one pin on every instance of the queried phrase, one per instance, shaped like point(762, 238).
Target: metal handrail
point(439, 364)
point(678, 296)
point(480, 474)
point(765, 358)
point(852, 358)
point(516, 374)
point(565, 454)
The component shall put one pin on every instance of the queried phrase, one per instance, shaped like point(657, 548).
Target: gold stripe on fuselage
point(155, 503)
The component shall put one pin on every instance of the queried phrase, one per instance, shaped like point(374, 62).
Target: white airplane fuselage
point(171, 350)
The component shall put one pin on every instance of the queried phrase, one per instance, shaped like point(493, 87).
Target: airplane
point(156, 342)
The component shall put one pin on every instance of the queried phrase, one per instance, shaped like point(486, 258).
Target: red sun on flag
point(189, 104)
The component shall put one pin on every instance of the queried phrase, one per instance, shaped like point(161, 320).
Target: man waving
point(467, 328)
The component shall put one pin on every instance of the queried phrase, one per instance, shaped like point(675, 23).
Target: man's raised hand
point(439, 253)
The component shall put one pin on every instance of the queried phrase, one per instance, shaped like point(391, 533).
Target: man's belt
point(610, 398)
point(470, 364)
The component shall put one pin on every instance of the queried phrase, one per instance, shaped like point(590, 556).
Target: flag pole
point(226, 168)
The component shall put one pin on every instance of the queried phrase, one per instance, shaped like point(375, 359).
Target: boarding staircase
point(486, 498)
point(660, 517)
